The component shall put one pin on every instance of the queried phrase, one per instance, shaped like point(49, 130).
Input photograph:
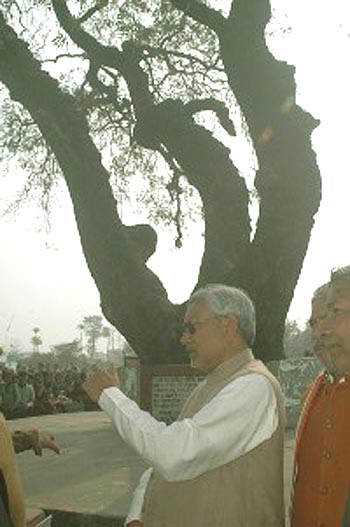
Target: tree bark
point(288, 180)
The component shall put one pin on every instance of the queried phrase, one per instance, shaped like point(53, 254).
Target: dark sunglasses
point(191, 327)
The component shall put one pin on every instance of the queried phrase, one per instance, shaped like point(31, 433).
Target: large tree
point(149, 69)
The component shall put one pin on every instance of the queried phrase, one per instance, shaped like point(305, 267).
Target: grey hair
point(340, 273)
point(225, 300)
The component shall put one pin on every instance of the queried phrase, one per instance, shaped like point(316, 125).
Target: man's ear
point(231, 325)
point(236, 326)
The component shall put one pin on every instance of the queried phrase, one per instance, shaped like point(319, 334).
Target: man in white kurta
point(228, 421)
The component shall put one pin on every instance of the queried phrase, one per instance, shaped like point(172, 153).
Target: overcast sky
point(44, 280)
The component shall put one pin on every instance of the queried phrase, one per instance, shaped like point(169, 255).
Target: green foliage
point(24, 150)
point(181, 60)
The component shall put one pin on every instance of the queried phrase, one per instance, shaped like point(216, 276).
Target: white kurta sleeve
point(135, 510)
point(240, 417)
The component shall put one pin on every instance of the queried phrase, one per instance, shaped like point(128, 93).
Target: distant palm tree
point(81, 328)
point(36, 340)
point(92, 327)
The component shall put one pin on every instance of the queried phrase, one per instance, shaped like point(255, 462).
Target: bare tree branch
point(166, 53)
point(107, 55)
point(218, 107)
point(90, 12)
point(202, 14)
point(66, 56)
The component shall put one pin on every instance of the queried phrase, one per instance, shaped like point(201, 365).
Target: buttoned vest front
point(247, 492)
point(322, 472)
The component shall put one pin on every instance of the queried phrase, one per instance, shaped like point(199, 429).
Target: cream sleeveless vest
point(247, 492)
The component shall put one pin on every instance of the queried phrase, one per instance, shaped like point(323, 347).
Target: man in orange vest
point(321, 496)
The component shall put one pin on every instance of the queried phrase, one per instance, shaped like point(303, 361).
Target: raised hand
point(99, 380)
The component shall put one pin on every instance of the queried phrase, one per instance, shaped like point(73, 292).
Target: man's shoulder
point(257, 367)
point(263, 379)
point(258, 380)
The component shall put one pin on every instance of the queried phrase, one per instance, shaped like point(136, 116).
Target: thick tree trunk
point(288, 180)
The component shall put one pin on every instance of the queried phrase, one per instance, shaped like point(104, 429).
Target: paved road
point(96, 471)
point(94, 474)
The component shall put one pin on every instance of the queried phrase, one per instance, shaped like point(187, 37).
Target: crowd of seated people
point(27, 392)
